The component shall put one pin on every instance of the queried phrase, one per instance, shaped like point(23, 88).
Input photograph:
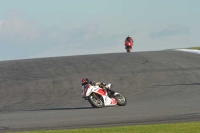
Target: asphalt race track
point(160, 86)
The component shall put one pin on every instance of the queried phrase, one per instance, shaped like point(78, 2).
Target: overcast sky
point(49, 28)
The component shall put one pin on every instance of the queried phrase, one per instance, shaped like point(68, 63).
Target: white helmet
point(129, 35)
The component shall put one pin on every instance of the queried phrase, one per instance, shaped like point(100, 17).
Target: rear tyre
point(96, 100)
point(128, 49)
point(121, 100)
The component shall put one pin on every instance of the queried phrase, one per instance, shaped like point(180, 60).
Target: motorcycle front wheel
point(96, 100)
point(121, 100)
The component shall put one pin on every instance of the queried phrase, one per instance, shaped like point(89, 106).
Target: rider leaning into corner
point(130, 39)
point(86, 82)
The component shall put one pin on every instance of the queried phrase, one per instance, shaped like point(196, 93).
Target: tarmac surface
point(45, 93)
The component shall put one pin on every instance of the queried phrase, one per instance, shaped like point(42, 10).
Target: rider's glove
point(104, 84)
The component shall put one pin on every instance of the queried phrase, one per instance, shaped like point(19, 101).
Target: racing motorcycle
point(128, 46)
point(99, 97)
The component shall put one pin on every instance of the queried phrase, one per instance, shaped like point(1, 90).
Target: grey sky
point(47, 28)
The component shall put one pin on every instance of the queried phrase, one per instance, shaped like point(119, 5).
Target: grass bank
point(189, 127)
point(197, 48)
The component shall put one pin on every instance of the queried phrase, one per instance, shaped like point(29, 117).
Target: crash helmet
point(129, 35)
point(85, 81)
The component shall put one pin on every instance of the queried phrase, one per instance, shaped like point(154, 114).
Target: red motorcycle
point(128, 45)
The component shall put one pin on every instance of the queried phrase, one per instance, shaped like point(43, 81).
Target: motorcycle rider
point(129, 38)
point(86, 82)
point(129, 42)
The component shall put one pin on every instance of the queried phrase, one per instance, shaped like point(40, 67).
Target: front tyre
point(96, 100)
point(121, 100)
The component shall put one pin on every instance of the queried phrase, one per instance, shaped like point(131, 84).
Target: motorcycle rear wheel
point(128, 50)
point(96, 100)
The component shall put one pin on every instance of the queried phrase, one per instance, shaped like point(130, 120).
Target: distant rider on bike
point(129, 39)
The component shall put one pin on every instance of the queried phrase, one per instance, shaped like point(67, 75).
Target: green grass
point(189, 127)
point(198, 48)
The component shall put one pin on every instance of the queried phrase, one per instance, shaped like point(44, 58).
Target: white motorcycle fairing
point(96, 89)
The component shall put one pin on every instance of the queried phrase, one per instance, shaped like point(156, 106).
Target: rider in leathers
point(86, 82)
point(129, 38)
